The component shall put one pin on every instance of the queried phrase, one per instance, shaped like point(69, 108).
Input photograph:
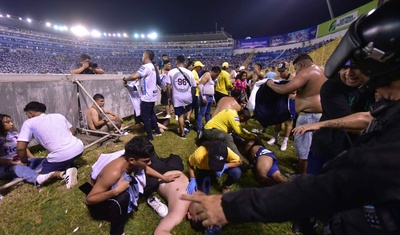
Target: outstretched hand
point(210, 210)
point(305, 128)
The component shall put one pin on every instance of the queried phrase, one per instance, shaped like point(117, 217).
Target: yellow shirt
point(227, 121)
point(196, 78)
point(224, 83)
point(199, 158)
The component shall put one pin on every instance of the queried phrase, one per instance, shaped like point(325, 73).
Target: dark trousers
point(149, 118)
point(195, 106)
point(218, 96)
point(204, 178)
point(114, 210)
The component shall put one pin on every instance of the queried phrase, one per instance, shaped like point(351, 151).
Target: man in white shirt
point(180, 81)
point(55, 134)
point(148, 75)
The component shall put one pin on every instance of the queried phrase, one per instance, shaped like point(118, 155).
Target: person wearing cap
point(359, 189)
point(284, 74)
point(197, 66)
point(307, 82)
point(343, 95)
point(213, 158)
point(223, 85)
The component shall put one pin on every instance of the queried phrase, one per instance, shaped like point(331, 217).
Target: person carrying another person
point(307, 82)
point(56, 135)
point(213, 158)
point(84, 66)
point(10, 164)
point(223, 85)
point(112, 191)
point(283, 69)
point(96, 116)
point(206, 88)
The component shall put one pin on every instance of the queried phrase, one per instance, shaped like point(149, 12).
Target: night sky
point(253, 18)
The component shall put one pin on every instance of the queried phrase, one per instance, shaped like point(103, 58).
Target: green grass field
point(52, 209)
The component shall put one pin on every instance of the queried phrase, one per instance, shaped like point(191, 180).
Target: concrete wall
point(59, 94)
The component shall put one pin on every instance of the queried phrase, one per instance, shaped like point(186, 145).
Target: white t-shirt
point(148, 82)
point(134, 94)
point(8, 146)
point(181, 90)
point(52, 132)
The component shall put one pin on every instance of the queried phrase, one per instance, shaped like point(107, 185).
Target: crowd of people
point(348, 168)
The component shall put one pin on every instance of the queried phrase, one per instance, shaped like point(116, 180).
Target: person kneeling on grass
point(112, 192)
point(212, 159)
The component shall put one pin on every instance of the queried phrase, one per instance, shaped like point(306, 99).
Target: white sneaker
point(271, 141)
point(44, 177)
point(283, 146)
point(167, 116)
point(70, 177)
point(160, 208)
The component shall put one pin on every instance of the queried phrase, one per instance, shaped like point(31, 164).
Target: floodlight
point(113, 34)
point(119, 35)
point(1, 15)
point(55, 27)
point(104, 34)
point(143, 36)
point(136, 35)
point(20, 18)
point(152, 35)
point(29, 20)
point(125, 35)
point(48, 24)
point(65, 28)
point(79, 31)
point(95, 33)
point(109, 34)
point(8, 16)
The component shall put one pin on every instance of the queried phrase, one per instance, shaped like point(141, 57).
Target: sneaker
point(44, 177)
point(257, 131)
point(283, 146)
point(167, 116)
point(160, 208)
point(271, 141)
point(158, 134)
point(182, 137)
point(70, 177)
point(188, 125)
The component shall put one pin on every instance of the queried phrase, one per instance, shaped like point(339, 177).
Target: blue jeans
point(149, 118)
point(204, 178)
point(27, 173)
point(205, 110)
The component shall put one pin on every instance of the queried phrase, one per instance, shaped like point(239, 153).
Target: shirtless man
point(228, 102)
point(97, 120)
point(177, 208)
point(112, 193)
point(307, 82)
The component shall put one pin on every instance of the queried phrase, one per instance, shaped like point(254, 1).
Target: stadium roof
point(254, 18)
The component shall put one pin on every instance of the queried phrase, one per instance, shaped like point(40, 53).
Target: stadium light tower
point(152, 35)
point(328, 2)
point(79, 31)
point(48, 24)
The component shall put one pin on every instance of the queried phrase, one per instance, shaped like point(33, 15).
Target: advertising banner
point(344, 21)
point(294, 37)
point(252, 43)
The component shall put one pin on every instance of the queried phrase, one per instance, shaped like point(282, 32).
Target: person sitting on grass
point(112, 192)
point(97, 120)
point(55, 134)
point(212, 159)
point(10, 164)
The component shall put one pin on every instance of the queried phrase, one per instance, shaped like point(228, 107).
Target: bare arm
point(102, 188)
point(22, 150)
point(355, 122)
point(95, 120)
point(296, 83)
point(165, 178)
point(80, 70)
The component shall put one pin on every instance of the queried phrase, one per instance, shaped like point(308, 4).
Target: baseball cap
point(217, 155)
point(242, 68)
point(282, 66)
point(198, 63)
point(225, 65)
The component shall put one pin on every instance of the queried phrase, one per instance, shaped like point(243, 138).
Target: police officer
point(360, 189)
